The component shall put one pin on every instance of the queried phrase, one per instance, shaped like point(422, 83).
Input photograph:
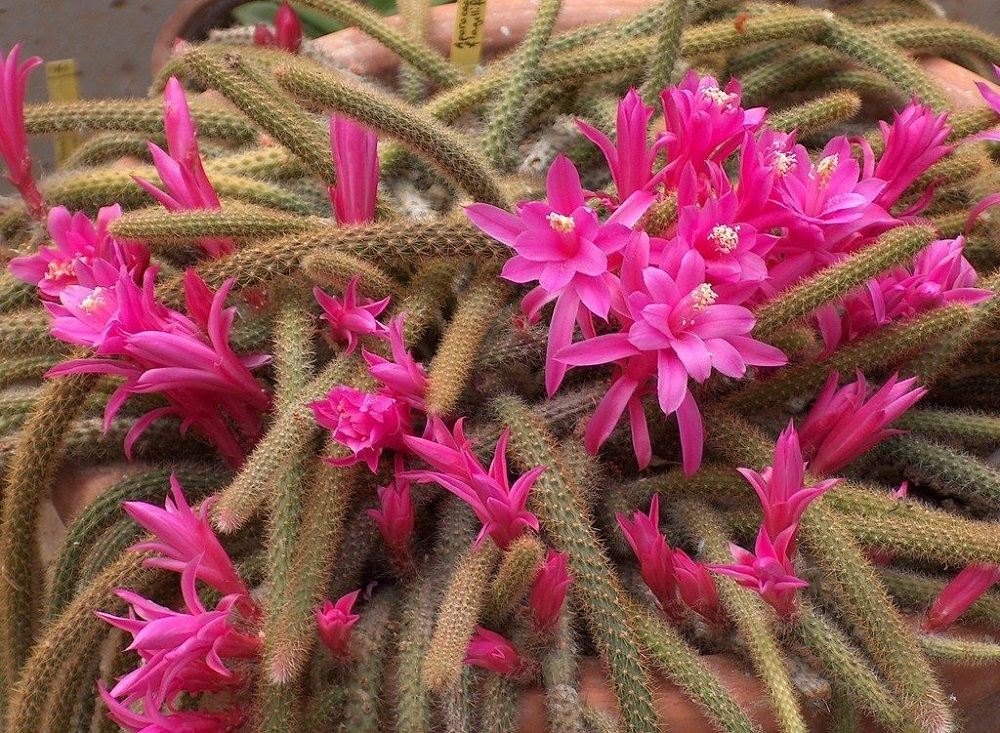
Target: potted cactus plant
point(642, 380)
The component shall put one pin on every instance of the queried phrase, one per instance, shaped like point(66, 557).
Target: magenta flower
point(183, 651)
point(630, 158)
point(565, 248)
point(490, 650)
point(675, 330)
point(781, 488)
point(364, 423)
point(497, 504)
point(964, 590)
point(158, 350)
point(768, 571)
point(912, 144)
point(394, 516)
point(335, 622)
point(404, 378)
point(704, 124)
point(13, 136)
point(941, 276)
point(153, 720)
point(181, 171)
point(78, 245)
point(287, 33)
point(182, 537)
point(548, 592)
point(355, 158)
point(845, 423)
point(351, 317)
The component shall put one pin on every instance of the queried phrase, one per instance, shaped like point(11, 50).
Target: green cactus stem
point(518, 567)
point(817, 114)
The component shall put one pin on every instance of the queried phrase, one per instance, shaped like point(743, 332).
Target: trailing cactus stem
point(564, 516)
point(519, 565)
point(667, 52)
point(460, 610)
point(240, 220)
point(817, 114)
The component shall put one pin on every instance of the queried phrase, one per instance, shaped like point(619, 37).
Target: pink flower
point(489, 650)
point(78, 244)
point(964, 590)
point(350, 318)
point(158, 350)
point(153, 720)
point(404, 378)
point(630, 158)
point(668, 572)
point(335, 622)
point(182, 650)
point(768, 571)
point(703, 123)
point(365, 423)
point(674, 330)
point(181, 171)
point(355, 157)
point(182, 537)
point(497, 504)
point(394, 516)
point(992, 98)
point(781, 487)
point(13, 136)
point(548, 593)
point(912, 144)
point(941, 276)
point(287, 27)
point(562, 245)
point(844, 424)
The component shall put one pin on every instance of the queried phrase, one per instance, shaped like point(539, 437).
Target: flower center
point(826, 168)
point(721, 98)
point(93, 301)
point(561, 223)
point(726, 238)
point(703, 296)
point(784, 162)
point(58, 270)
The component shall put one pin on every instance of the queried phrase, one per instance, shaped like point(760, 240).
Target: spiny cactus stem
point(446, 149)
point(564, 516)
point(264, 103)
point(243, 221)
point(518, 567)
point(895, 247)
point(752, 616)
point(667, 50)
point(818, 113)
point(33, 467)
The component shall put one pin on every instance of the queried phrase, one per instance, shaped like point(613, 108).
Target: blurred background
point(112, 40)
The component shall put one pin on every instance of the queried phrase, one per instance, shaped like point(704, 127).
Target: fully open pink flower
point(548, 592)
point(499, 505)
point(180, 168)
point(365, 423)
point(563, 246)
point(182, 537)
point(287, 33)
point(964, 590)
point(13, 137)
point(491, 651)
point(845, 423)
point(79, 242)
point(350, 318)
point(355, 158)
point(335, 622)
point(675, 331)
point(630, 157)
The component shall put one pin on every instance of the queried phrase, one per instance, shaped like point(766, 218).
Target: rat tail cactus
point(649, 340)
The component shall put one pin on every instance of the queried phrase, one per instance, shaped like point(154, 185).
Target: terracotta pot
point(976, 690)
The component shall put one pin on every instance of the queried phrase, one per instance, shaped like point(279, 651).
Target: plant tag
point(467, 42)
point(63, 81)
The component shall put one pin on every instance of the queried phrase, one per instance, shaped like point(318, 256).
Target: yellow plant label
point(467, 42)
point(63, 81)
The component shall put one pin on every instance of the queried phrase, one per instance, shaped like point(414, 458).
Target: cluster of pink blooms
point(666, 308)
point(194, 650)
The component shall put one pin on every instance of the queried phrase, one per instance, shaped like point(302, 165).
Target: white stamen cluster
point(726, 238)
point(720, 97)
point(703, 296)
point(561, 223)
point(60, 269)
point(93, 301)
point(784, 163)
point(826, 168)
